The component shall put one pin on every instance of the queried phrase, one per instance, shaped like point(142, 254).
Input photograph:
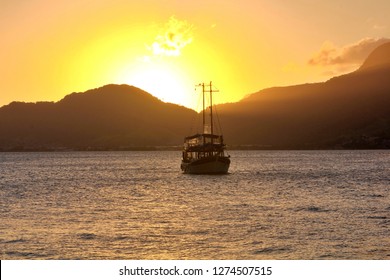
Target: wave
point(271, 250)
point(87, 236)
point(20, 240)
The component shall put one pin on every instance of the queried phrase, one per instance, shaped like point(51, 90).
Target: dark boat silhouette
point(204, 153)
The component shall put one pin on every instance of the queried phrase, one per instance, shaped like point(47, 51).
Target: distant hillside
point(379, 58)
point(110, 117)
point(350, 111)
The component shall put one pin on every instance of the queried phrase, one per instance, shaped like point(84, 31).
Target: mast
point(210, 90)
point(211, 110)
point(204, 121)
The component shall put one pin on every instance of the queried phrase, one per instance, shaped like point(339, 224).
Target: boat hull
point(213, 165)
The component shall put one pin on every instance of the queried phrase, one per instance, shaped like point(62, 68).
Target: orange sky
point(52, 48)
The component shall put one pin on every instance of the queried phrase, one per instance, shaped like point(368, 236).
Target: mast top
point(209, 90)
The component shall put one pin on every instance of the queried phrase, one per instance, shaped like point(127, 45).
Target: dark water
point(138, 205)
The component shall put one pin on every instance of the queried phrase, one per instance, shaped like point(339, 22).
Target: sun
point(162, 81)
point(157, 63)
point(160, 69)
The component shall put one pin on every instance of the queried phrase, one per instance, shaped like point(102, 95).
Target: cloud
point(175, 35)
point(349, 55)
point(376, 25)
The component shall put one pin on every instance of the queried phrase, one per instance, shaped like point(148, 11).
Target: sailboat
point(204, 153)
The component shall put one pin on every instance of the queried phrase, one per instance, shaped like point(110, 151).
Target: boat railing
point(203, 139)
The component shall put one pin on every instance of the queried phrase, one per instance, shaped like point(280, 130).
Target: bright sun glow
point(160, 71)
point(161, 82)
point(158, 66)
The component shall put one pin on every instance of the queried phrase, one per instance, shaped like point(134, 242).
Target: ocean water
point(138, 205)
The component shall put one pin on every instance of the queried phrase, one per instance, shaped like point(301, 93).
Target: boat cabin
point(203, 145)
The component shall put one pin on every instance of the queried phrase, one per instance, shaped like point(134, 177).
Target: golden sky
point(50, 48)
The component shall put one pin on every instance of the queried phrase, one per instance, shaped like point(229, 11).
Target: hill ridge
point(108, 117)
point(349, 111)
point(380, 57)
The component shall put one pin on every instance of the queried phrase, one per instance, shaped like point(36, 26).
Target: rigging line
point(213, 88)
point(199, 126)
point(195, 124)
point(219, 125)
point(218, 120)
point(216, 112)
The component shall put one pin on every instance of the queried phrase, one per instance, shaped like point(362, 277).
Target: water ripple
point(138, 205)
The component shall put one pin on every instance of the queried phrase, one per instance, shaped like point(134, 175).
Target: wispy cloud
point(345, 56)
point(375, 24)
point(173, 37)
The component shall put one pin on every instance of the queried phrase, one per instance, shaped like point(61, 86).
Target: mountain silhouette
point(110, 117)
point(380, 57)
point(349, 111)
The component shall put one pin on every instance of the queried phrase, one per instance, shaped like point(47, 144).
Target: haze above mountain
point(349, 111)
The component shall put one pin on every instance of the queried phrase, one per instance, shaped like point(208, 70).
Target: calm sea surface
point(138, 205)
